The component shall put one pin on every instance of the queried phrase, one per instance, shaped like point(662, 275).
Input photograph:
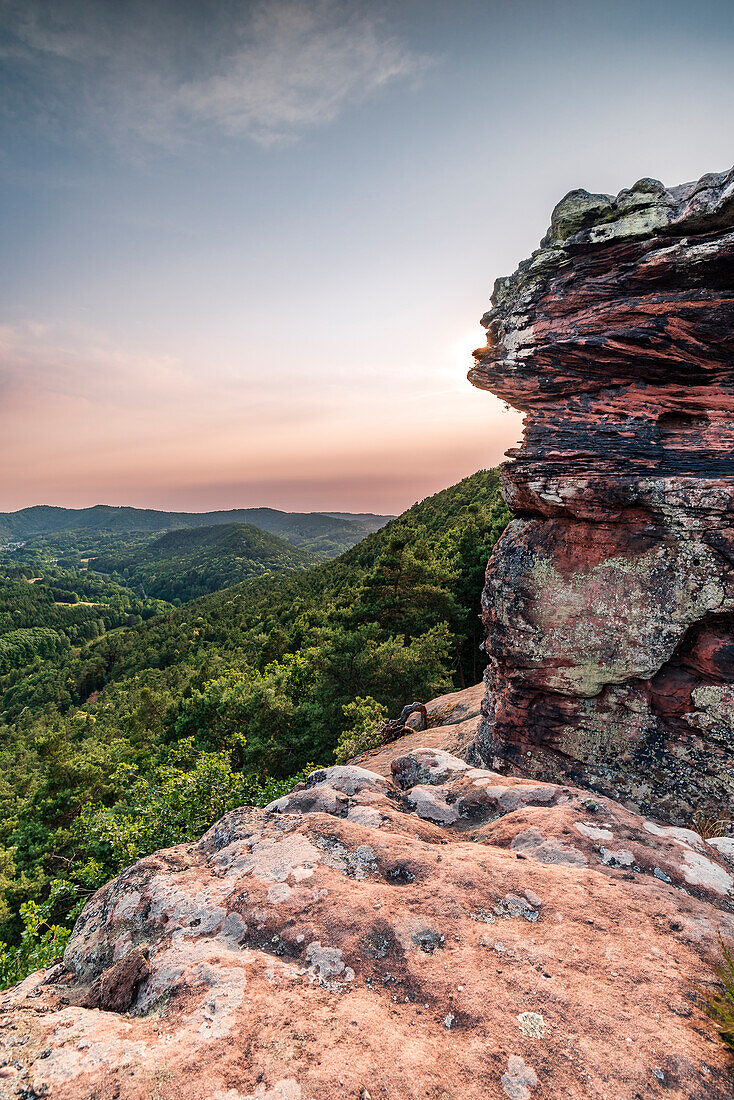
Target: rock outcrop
point(448, 933)
point(453, 721)
point(609, 601)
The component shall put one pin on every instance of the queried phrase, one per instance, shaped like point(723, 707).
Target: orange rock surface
point(448, 933)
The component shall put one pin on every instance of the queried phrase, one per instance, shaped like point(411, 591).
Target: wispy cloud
point(299, 66)
point(169, 72)
point(42, 361)
point(63, 366)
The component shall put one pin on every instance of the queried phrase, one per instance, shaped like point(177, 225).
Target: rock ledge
point(448, 932)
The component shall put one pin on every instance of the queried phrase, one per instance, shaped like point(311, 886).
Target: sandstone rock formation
point(453, 724)
point(445, 934)
point(609, 602)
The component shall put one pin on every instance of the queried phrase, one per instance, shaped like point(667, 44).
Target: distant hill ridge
point(321, 532)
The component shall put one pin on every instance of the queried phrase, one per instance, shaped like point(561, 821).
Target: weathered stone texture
point(609, 601)
point(444, 932)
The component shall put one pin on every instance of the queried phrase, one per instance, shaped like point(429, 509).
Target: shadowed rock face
point(444, 932)
point(609, 601)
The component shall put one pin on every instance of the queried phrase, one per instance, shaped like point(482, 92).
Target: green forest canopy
point(142, 735)
point(323, 533)
point(182, 565)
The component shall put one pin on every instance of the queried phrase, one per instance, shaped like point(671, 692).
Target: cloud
point(167, 73)
point(41, 361)
point(73, 373)
point(300, 67)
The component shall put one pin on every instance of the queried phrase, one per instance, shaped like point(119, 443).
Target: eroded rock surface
point(449, 932)
point(609, 601)
point(453, 721)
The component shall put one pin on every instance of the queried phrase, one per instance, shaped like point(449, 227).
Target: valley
point(120, 713)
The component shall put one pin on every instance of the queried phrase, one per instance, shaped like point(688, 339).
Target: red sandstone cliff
point(609, 602)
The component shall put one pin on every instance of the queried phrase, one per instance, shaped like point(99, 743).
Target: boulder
point(453, 719)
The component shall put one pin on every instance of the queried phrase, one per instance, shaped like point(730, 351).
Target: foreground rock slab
point(445, 934)
point(609, 601)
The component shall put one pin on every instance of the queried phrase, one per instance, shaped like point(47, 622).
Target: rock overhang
point(616, 339)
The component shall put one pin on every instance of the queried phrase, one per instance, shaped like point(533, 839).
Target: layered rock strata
point(609, 601)
point(446, 932)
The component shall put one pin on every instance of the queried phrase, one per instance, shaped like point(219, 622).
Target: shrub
point(41, 942)
point(367, 717)
point(176, 803)
point(721, 1006)
point(708, 824)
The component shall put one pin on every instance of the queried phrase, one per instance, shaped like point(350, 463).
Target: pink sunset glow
point(84, 422)
point(246, 258)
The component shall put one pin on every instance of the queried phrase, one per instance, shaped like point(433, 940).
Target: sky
point(246, 246)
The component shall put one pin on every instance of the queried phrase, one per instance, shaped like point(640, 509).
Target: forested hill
point(142, 737)
point(182, 565)
point(323, 534)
